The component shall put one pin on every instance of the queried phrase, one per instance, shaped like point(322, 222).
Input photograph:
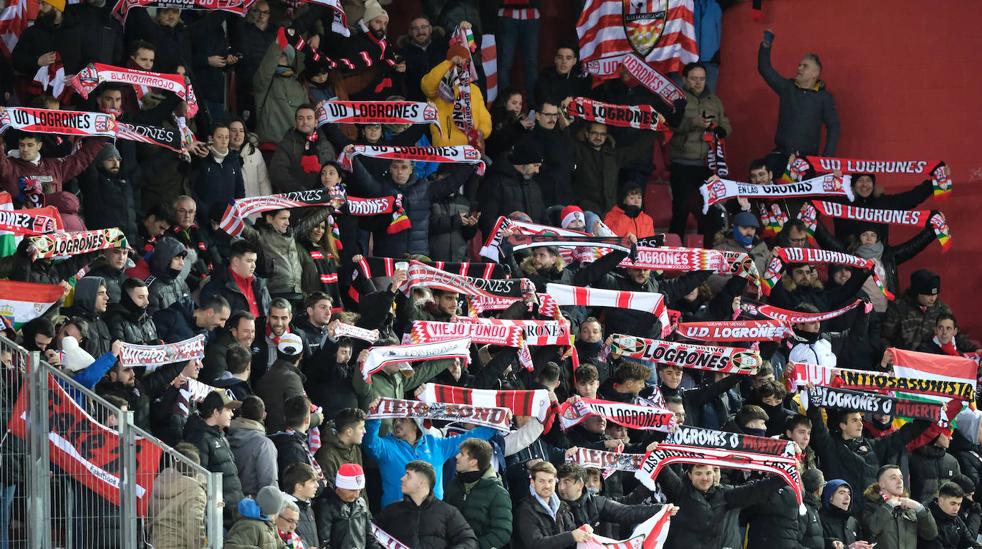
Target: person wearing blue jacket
point(408, 442)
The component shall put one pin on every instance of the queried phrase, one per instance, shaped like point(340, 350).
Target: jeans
point(6, 505)
point(512, 33)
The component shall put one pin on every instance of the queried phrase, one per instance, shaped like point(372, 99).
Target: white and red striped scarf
point(940, 180)
point(481, 304)
point(489, 60)
point(671, 258)
point(649, 302)
point(656, 82)
point(190, 391)
point(51, 77)
point(521, 403)
point(492, 245)
point(667, 454)
point(796, 317)
point(735, 330)
point(717, 190)
point(386, 539)
point(347, 330)
point(459, 154)
point(600, 459)
point(379, 357)
point(376, 112)
point(13, 22)
point(421, 274)
point(781, 256)
point(94, 74)
point(495, 417)
point(650, 534)
point(31, 222)
point(80, 123)
point(643, 418)
point(730, 360)
point(339, 21)
point(640, 117)
point(536, 332)
point(910, 218)
point(426, 331)
point(233, 220)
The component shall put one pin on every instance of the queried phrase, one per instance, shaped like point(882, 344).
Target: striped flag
point(649, 302)
point(660, 31)
point(489, 60)
point(931, 366)
point(8, 241)
point(650, 534)
point(13, 21)
point(22, 302)
point(521, 403)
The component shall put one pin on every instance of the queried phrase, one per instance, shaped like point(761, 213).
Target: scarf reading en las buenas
point(719, 190)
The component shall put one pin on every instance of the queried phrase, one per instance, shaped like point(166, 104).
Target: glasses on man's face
point(291, 522)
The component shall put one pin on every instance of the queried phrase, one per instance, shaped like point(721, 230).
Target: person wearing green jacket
point(477, 493)
point(892, 520)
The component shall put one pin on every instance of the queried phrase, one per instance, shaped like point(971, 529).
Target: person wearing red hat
point(343, 518)
point(572, 218)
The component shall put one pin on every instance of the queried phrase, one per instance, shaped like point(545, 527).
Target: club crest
point(644, 23)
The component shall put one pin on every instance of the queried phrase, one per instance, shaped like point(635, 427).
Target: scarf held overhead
point(650, 534)
point(878, 381)
point(465, 154)
point(376, 112)
point(519, 241)
point(423, 275)
point(158, 355)
point(685, 435)
point(83, 124)
point(372, 267)
point(792, 256)
point(736, 330)
point(238, 7)
point(77, 243)
point(94, 74)
point(718, 190)
point(380, 357)
point(632, 416)
point(648, 302)
point(492, 246)
point(639, 117)
point(31, 222)
point(173, 139)
point(656, 82)
point(795, 317)
point(425, 331)
point(940, 178)
point(600, 459)
point(911, 218)
point(388, 408)
point(521, 403)
point(699, 357)
point(670, 258)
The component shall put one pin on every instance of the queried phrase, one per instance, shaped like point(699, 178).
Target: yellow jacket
point(451, 134)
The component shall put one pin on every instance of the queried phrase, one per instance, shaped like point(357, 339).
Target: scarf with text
point(76, 243)
point(459, 80)
point(82, 124)
point(875, 403)
point(795, 170)
point(639, 117)
point(233, 220)
point(865, 380)
point(192, 391)
point(600, 459)
point(421, 274)
point(790, 256)
point(158, 355)
point(347, 330)
point(656, 82)
point(376, 112)
point(742, 265)
point(911, 218)
point(173, 139)
point(492, 245)
point(648, 302)
point(795, 317)
point(465, 154)
point(372, 267)
point(535, 332)
point(668, 454)
point(238, 7)
point(716, 154)
point(520, 241)
point(521, 403)
point(940, 179)
point(650, 534)
point(380, 357)
point(730, 360)
point(643, 418)
point(717, 190)
point(386, 539)
point(31, 222)
point(428, 331)
point(94, 74)
point(389, 408)
point(735, 330)
point(671, 258)
point(685, 435)
point(482, 304)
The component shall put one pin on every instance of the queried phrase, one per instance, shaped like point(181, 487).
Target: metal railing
point(81, 474)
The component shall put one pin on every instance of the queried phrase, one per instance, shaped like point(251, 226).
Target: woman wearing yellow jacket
point(438, 84)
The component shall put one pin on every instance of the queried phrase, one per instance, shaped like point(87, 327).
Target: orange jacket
point(621, 224)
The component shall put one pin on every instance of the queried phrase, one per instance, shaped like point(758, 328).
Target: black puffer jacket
point(810, 524)
point(535, 528)
point(952, 531)
point(506, 191)
point(640, 323)
point(930, 467)
point(969, 458)
point(432, 525)
point(838, 525)
point(166, 287)
point(342, 524)
point(144, 391)
point(129, 323)
point(556, 174)
point(216, 456)
point(222, 284)
point(108, 201)
point(592, 509)
point(98, 340)
point(774, 522)
point(448, 235)
point(112, 277)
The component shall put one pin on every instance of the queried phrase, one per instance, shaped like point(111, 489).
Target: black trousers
point(685, 182)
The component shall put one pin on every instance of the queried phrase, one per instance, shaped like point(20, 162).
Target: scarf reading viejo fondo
point(376, 112)
point(427, 331)
point(639, 117)
point(79, 123)
point(389, 408)
point(685, 435)
point(796, 317)
point(632, 416)
point(717, 190)
point(667, 454)
point(935, 168)
point(911, 218)
point(699, 357)
point(790, 256)
point(233, 220)
point(532, 332)
point(76, 243)
point(31, 222)
point(94, 74)
point(238, 7)
point(648, 302)
point(380, 357)
point(465, 154)
point(600, 459)
point(521, 403)
point(735, 330)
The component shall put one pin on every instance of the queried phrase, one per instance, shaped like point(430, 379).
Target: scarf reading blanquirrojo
point(94, 74)
point(910, 218)
point(640, 117)
point(632, 416)
point(718, 190)
point(79, 123)
point(782, 256)
point(376, 112)
point(935, 168)
point(465, 154)
point(730, 360)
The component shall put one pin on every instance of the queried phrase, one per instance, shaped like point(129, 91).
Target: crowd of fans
point(301, 464)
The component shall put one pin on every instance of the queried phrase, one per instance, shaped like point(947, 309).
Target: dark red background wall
point(907, 78)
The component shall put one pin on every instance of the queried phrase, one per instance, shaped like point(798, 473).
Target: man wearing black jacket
point(593, 509)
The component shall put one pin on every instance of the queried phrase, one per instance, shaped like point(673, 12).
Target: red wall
point(907, 82)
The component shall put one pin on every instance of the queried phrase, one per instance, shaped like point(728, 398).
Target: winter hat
point(75, 358)
point(570, 214)
point(108, 151)
point(458, 51)
point(270, 500)
point(829, 490)
point(924, 282)
point(350, 477)
point(812, 480)
point(57, 4)
point(290, 345)
point(746, 219)
point(526, 152)
point(373, 10)
point(967, 424)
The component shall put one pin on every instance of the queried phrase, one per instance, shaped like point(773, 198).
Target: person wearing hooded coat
point(129, 321)
point(837, 523)
point(87, 305)
point(107, 195)
point(167, 286)
point(965, 445)
point(750, 244)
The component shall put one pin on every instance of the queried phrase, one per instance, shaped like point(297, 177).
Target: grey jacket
point(255, 455)
point(282, 257)
point(165, 288)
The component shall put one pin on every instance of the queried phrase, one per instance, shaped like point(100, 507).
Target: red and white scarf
point(939, 179)
point(158, 355)
point(719, 190)
point(639, 117)
point(31, 222)
point(670, 258)
point(380, 357)
point(521, 403)
point(781, 256)
point(492, 245)
point(481, 304)
point(535, 332)
point(735, 330)
point(716, 154)
point(910, 218)
point(386, 539)
point(426, 331)
point(648, 302)
point(796, 317)
point(465, 154)
point(742, 265)
point(174, 139)
point(76, 243)
point(656, 82)
point(668, 454)
point(51, 76)
point(698, 357)
point(376, 112)
point(423, 275)
point(494, 417)
point(89, 78)
point(347, 330)
point(650, 534)
point(238, 7)
point(865, 380)
point(643, 418)
point(724, 440)
point(600, 459)
point(233, 220)
point(80, 123)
